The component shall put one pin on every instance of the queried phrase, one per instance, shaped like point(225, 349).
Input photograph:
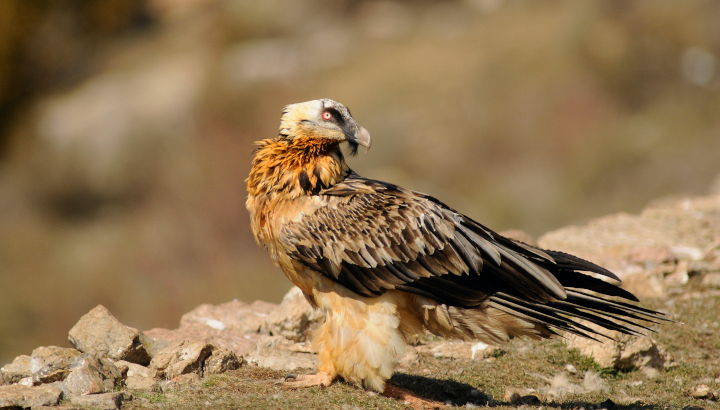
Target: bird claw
point(307, 380)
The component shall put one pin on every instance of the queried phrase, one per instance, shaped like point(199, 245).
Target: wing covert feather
point(372, 237)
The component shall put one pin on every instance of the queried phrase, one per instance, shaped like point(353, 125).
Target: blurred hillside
point(126, 130)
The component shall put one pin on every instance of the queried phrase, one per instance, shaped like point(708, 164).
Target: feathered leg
point(360, 340)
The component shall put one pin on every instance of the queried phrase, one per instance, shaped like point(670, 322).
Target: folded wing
point(373, 237)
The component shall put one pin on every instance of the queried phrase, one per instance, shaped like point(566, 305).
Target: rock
point(570, 368)
point(186, 357)
point(83, 379)
point(52, 363)
point(16, 395)
point(638, 353)
point(278, 353)
point(624, 352)
point(98, 332)
point(246, 318)
point(104, 401)
point(703, 392)
point(654, 243)
point(27, 381)
point(233, 326)
point(18, 369)
point(294, 319)
point(89, 375)
point(138, 377)
point(221, 361)
point(711, 280)
point(644, 284)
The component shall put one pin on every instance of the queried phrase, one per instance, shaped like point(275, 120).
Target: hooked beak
point(360, 136)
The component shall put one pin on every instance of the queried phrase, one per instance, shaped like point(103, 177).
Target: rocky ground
point(234, 354)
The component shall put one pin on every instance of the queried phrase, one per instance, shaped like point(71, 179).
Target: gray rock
point(183, 358)
point(52, 363)
point(221, 361)
point(18, 369)
point(104, 401)
point(99, 333)
point(16, 395)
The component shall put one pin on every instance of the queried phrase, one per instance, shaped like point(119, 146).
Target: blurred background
point(126, 130)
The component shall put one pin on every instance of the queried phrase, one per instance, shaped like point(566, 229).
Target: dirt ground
point(692, 342)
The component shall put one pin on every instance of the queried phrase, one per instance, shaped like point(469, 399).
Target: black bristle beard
point(353, 148)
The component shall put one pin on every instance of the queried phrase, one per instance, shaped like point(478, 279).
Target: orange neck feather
point(294, 167)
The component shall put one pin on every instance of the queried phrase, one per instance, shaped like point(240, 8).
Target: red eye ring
point(326, 116)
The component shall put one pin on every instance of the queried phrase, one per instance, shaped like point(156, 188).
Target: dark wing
point(372, 237)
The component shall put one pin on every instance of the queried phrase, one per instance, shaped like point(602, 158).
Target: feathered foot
point(412, 400)
point(308, 380)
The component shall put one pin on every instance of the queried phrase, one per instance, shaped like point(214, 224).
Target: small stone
point(18, 369)
point(221, 361)
point(186, 357)
point(84, 378)
point(703, 392)
point(640, 352)
point(27, 381)
point(98, 332)
point(16, 395)
point(622, 352)
point(104, 401)
point(138, 377)
point(711, 280)
point(52, 363)
point(570, 368)
point(679, 276)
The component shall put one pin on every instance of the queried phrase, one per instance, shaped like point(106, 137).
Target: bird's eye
point(327, 116)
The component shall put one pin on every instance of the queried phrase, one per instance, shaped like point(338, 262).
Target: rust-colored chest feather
point(283, 177)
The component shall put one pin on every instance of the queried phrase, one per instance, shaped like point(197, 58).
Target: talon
point(308, 380)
